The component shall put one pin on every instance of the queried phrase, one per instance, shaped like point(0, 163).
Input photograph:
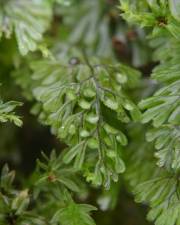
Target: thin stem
point(98, 108)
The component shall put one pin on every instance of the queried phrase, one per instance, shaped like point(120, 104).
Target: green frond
point(167, 142)
point(7, 114)
point(73, 214)
point(28, 19)
point(81, 86)
point(76, 99)
point(163, 107)
point(14, 204)
point(162, 193)
point(158, 15)
point(53, 171)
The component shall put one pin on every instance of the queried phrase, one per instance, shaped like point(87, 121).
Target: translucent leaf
point(84, 133)
point(120, 166)
point(84, 104)
point(167, 143)
point(121, 138)
point(163, 106)
point(92, 118)
point(110, 103)
point(162, 195)
point(89, 93)
point(73, 101)
point(73, 152)
point(93, 143)
point(28, 19)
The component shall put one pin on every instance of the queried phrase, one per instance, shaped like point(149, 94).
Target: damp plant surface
point(90, 112)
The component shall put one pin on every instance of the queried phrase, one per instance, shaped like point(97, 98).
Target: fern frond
point(161, 190)
point(14, 204)
point(73, 214)
point(167, 142)
point(53, 171)
point(76, 100)
point(91, 26)
point(164, 106)
point(7, 114)
point(162, 193)
point(28, 19)
point(159, 16)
